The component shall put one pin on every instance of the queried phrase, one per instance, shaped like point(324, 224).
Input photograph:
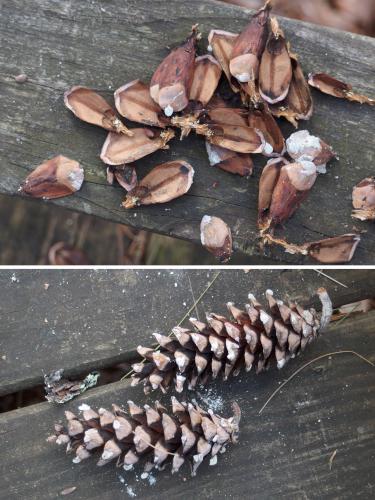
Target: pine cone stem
point(255, 337)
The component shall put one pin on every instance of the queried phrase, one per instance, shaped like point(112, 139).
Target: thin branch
point(330, 278)
point(309, 363)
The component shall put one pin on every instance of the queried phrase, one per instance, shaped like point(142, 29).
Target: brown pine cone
point(252, 338)
point(148, 433)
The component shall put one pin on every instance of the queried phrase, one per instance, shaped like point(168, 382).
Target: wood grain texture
point(283, 453)
point(59, 43)
point(91, 319)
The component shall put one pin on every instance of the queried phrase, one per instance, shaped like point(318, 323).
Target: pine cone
point(252, 338)
point(148, 433)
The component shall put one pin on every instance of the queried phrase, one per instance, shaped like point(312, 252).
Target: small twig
point(192, 293)
point(331, 459)
point(183, 319)
point(330, 278)
point(309, 363)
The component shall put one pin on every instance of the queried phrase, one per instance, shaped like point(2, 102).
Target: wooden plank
point(282, 453)
point(90, 319)
point(59, 44)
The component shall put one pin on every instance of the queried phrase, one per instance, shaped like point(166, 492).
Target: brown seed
point(292, 187)
point(262, 119)
point(62, 254)
point(206, 77)
point(298, 104)
point(267, 183)
point(216, 237)
point(221, 43)
point(275, 71)
point(329, 85)
point(170, 84)
point(133, 101)
point(230, 161)
point(55, 178)
point(335, 250)
point(164, 183)
point(364, 199)
point(249, 46)
point(92, 108)
point(118, 149)
point(126, 176)
point(303, 146)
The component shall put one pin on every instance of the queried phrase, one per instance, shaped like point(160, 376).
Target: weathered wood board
point(89, 319)
point(105, 44)
point(283, 453)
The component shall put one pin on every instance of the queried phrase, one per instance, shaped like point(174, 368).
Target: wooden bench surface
point(106, 44)
point(282, 453)
point(86, 320)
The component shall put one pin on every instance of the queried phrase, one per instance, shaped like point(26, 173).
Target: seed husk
point(363, 197)
point(170, 84)
point(335, 250)
point(92, 108)
point(133, 101)
point(336, 88)
point(292, 187)
point(261, 119)
point(267, 183)
point(275, 70)
point(126, 176)
point(249, 46)
point(222, 43)
point(303, 146)
point(54, 178)
point(298, 104)
point(216, 237)
point(164, 183)
point(206, 77)
point(119, 149)
point(230, 161)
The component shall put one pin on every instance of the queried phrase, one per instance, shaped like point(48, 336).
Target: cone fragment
point(207, 73)
point(363, 197)
point(171, 82)
point(133, 101)
point(230, 161)
point(275, 71)
point(253, 337)
point(249, 45)
point(60, 176)
point(150, 435)
point(119, 149)
point(163, 183)
point(329, 85)
point(92, 108)
point(298, 104)
point(221, 44)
